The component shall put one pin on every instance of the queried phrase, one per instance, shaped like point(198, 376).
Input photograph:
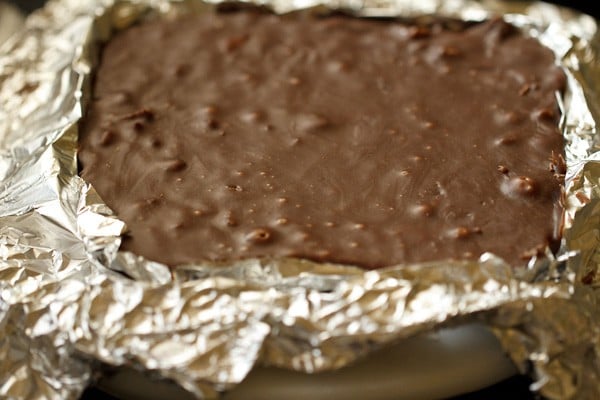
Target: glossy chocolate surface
point(373, 143)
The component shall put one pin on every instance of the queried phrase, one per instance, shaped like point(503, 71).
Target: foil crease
point(71, 302)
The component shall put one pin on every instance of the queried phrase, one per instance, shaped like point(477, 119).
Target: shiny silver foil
point(71, 302)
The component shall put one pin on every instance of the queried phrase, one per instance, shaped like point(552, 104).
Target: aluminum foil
point(71, 302)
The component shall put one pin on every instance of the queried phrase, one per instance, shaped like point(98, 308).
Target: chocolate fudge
point(233, 135)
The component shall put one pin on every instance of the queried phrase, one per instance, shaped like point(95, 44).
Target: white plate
point(447, 363)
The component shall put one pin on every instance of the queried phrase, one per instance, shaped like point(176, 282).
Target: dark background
point(582, 5)
point(515, 388)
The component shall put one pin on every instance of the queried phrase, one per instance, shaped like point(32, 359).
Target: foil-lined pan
point(71, 302)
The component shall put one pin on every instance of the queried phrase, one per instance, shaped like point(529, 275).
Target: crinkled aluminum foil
point(69, 301)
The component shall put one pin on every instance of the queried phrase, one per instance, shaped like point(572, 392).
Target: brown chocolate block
point(245, 134)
